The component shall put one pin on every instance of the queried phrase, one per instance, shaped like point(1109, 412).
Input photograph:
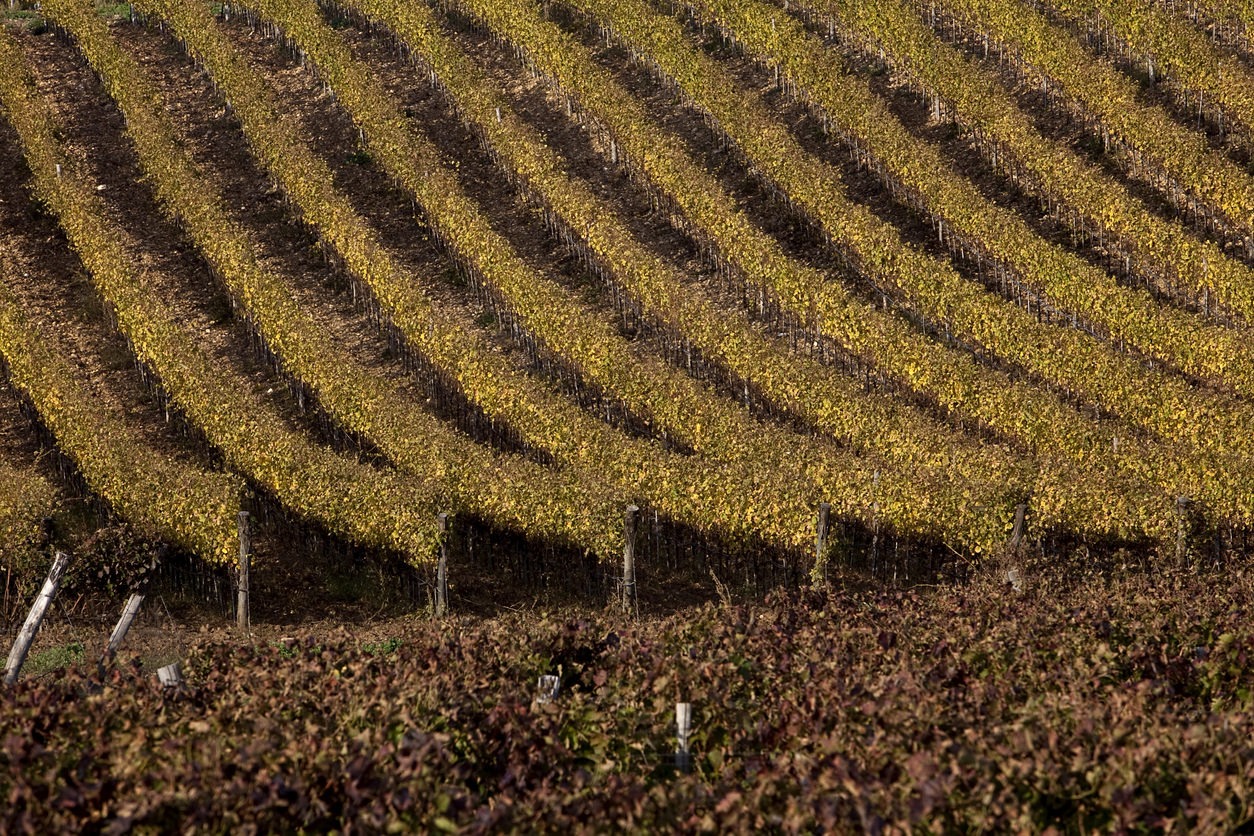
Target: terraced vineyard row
point(812, 390)
point(1227, 21)
point(664, 394)
point(511, 492)
point(1158, 149)
point(712, 214)
point(199, 513)
point(922, 350)
point(1148, 397)
point(1153, 39)
point(1093, 202)
point(379, 508)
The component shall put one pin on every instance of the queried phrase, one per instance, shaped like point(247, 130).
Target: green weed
point(54, 658)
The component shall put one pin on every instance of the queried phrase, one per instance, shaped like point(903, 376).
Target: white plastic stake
point(683, 729)
point(170, 676)
point(547, 688)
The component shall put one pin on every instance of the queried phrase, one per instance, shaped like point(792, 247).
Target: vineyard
point(968, 276)
point(642, 415)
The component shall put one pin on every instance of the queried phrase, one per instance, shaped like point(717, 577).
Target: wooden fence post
point(683, 730)
point(441, 572)
point(17, 656)
point(124, 624)
point(819, 573)
point(242, 620)
point(1182, 529)
point(629, 559)
point(1016, 535)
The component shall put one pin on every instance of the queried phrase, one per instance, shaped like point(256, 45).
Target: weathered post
point(17, 656)
point(1182, 529)
point(242, 620)
point(819, 573)
point(8, 577)
point(683, 730)
point(1016, 534)
point(629, 559)
point(124, 624)
point(441, 572)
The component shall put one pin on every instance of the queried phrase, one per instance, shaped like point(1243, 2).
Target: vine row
point(933, 283)
point(1149, 36)
point(505, 490)
point(376, 508)
point(1164, 252)
point(1176, 161)
point(180, 502)
point(737, 497)
point(1228, 22)
point(1147, 396)
point(973, 482)
point(960, 384)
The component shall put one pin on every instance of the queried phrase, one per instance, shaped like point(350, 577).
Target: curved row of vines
point(1097, 395)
